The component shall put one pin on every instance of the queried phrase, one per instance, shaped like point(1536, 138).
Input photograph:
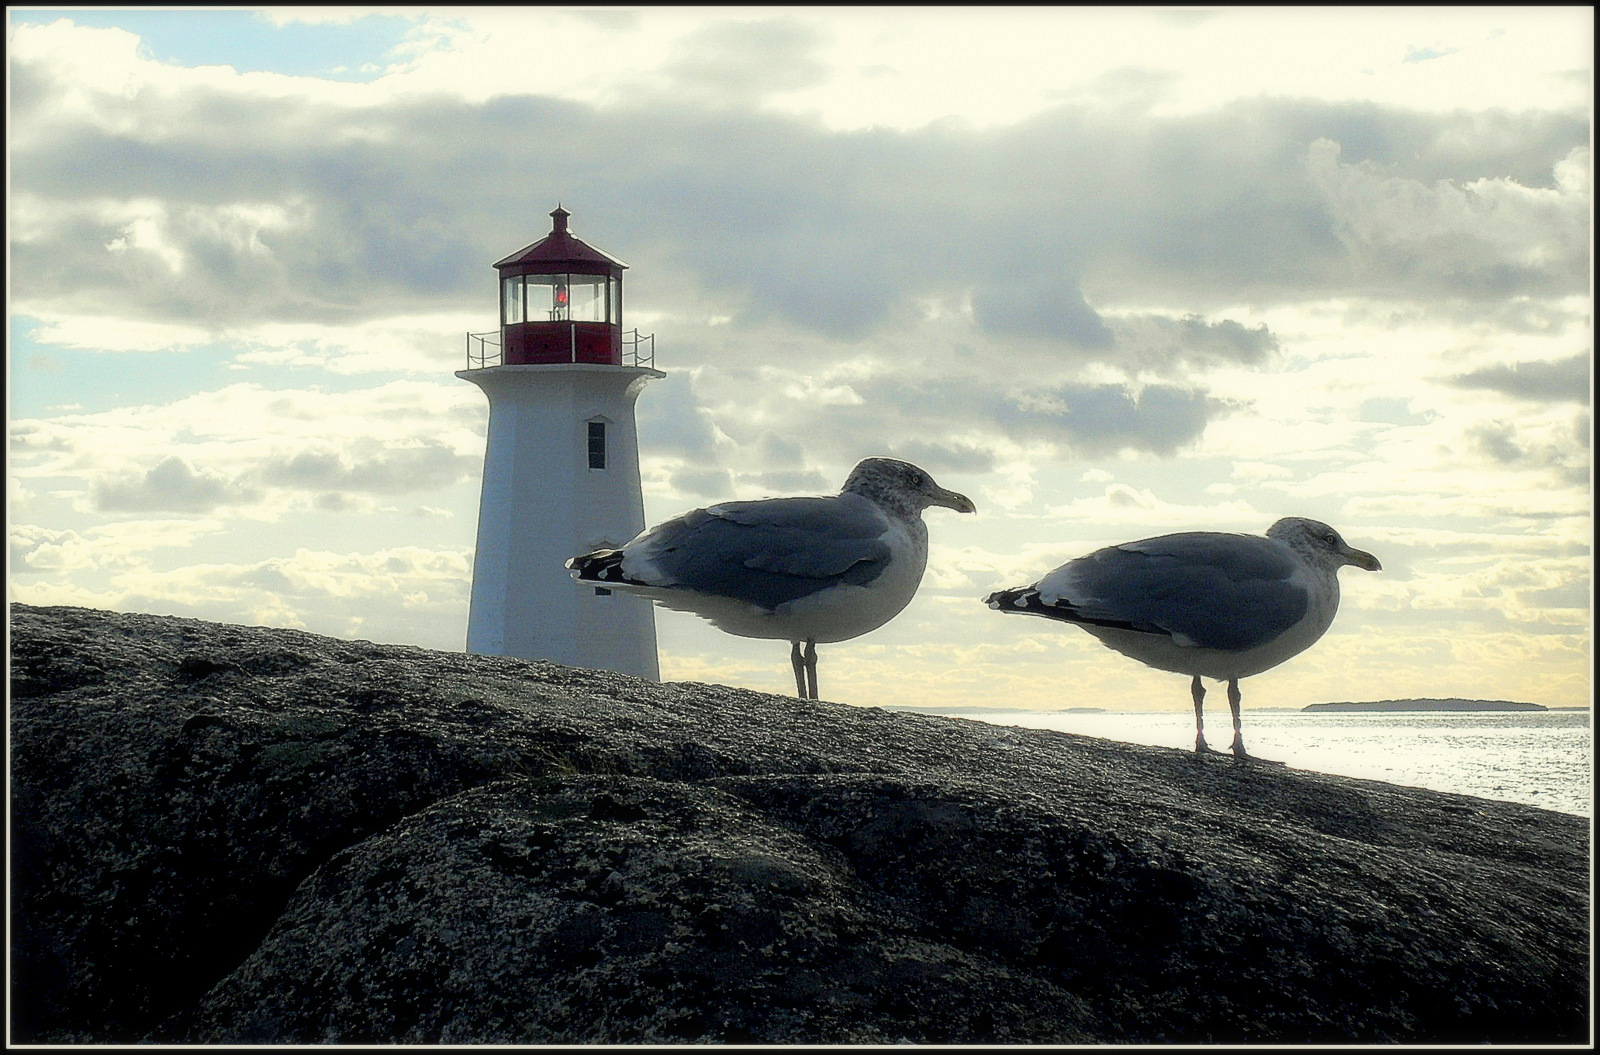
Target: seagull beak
point(952, 500)
point(1361, 559)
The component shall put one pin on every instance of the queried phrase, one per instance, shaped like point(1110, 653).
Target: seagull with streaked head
point(804, 570)
point(1202, 603)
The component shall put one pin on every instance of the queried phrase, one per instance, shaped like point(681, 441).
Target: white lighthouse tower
point(561, 473)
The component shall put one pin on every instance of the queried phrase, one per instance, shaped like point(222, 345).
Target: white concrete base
point(542, 504)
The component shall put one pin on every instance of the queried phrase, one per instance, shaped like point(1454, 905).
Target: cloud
point(41, 549)
point(1071, 418)
point(707, 483)
point(38, 549)
point(1164, 343)
point(790, 481)
point(1550, 381)
point(37, 437)
point(954, 457)
point(173, 486)
point(167, 196)
point(1487, 238)
point(671, 420)
point(1047, 307)
point(401, 593)
point(254, 451)
point(1506, 444)
point(422, 466)
point(742, 61)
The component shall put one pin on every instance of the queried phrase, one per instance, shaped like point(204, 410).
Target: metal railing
point(484, 350)
point(640, 350)
point(483, 357)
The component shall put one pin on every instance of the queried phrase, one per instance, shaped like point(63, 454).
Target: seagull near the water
point(1209, 603)
point(802, 570)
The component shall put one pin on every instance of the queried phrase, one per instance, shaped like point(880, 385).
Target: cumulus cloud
point(705, 483)
point(400, 593)
point(956, 457)
point(1549, 381)
point(1164, 343)
point(38, 549)
point(42, 549)
point(955, 425)
point(170, 197)
point(1490, 237)
point(672, 421)
point(247, 447)
point(1504, 443)
point(1076, 418)
point(424, 466)
point(1051, 308)
point(172, 486)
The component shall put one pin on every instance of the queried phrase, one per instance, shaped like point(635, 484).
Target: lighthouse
point(561, 469)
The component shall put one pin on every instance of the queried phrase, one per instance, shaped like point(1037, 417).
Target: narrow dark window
point(601, 591)
point(597, 445)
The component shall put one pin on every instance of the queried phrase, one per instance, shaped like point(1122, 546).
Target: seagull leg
point(798, 662)
point(1234, 698)
point(1198, 691)
point(811, 666)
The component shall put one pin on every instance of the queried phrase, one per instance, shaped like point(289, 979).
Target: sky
point(1112, 273)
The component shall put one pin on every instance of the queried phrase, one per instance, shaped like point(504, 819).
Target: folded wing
point(1202, 589)
point(765, 552)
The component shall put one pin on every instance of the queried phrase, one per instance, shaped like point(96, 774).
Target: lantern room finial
point(559, 215)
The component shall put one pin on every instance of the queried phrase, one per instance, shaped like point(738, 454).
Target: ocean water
point(1542, 758)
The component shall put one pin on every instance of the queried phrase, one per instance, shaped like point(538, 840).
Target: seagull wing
point(764, 552)
point(1203, 589)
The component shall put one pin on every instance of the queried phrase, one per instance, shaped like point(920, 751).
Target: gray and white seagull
point(1209, 603)
point(802, 570)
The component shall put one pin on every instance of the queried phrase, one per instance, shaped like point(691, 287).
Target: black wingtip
point(1014, 600)
point(603, 565)
point(1025, 601)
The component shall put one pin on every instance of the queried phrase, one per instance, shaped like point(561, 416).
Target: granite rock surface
point(227, 835)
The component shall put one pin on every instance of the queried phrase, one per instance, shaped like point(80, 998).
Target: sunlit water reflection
point(1542, 758)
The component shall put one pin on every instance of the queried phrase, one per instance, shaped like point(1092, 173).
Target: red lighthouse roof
point(559, 251)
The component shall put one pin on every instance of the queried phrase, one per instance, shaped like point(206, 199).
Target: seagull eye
point(1331, 539)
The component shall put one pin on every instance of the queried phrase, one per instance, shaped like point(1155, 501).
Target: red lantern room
point(560, 301)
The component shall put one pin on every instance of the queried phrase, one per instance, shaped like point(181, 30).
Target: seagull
point(804, 570)
point(1209, 603)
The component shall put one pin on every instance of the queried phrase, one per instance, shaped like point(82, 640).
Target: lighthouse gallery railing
point(484, 350)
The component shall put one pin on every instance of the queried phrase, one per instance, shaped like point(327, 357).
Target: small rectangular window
point(597, 445)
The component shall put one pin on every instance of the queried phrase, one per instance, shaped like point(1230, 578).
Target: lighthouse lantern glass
point(511, 300)
point(588, 298)
point(564, 298)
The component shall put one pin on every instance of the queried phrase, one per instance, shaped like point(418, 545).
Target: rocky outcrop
point(231, 835)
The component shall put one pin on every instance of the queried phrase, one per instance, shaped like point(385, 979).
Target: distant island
point(1081, 710)
point(946, 708)
point(1427, 705)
